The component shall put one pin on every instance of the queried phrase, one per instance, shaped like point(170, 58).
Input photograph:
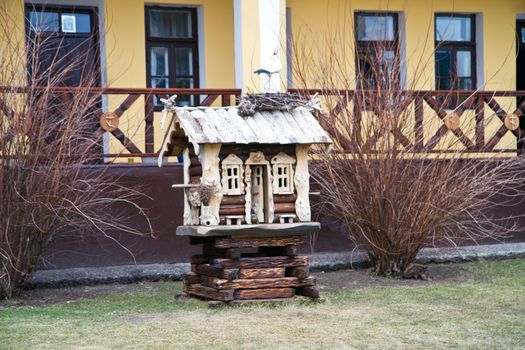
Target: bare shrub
point(47, 144)
point(392, 188)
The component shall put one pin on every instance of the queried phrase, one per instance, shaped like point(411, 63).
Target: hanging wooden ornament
point(109, 121)
point(452, 121)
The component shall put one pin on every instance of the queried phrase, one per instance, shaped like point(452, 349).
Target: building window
point(282, 173)
point(455, 52)
point(172, 49)
point(232, 175)
point(377, 49)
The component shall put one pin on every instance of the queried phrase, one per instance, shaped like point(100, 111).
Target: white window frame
point(234, 164)
point(283, 161)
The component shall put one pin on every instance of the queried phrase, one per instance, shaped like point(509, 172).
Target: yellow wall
point(124, 60)
point(126, 56)
point(126, 41)
point(499, 18)
point(314, 23)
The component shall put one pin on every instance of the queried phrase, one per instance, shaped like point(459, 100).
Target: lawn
point(466, 306)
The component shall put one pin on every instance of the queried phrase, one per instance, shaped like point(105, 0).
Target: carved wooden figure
point(246, 178)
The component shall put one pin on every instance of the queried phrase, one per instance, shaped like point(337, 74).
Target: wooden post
point(480, 123)
point(149, 112)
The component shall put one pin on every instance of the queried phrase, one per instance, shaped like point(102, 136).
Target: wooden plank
point(290, 198)
point(126, 104)
point(211, 271)
point(262, 273)
point(257, 230)
point(289, 250)
point(284, 208)
point(480, 123)
point(229, 253)
point(149, 110)
point(269, 293)
point(209, 293)
point(209, 100)
point(261, 262)
point(232, 210)
point(256, 283)
point(234, 200)
point(300, 272)
point(418, 125)
point(258, 242)
point(191, 278)
point(225, 100)
point(125, 141)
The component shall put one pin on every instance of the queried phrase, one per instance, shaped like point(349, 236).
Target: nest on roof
point(250, 104)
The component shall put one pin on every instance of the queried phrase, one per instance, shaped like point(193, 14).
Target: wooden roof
point(226, 126)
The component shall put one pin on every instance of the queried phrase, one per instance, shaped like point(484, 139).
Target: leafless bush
point(392, 188)
point(46, 145)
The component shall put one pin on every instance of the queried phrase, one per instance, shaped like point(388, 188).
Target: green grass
point(484, 308)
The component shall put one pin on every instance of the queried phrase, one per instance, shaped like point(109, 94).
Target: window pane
point(453, 28)
point(464, 64)
point(370, 27)
point(465, 84)
point(523, 35)
point(184, 84)
point(159, 61)
point(160, 83)
point(443, 83)
point(443, 69)
point(443, 63)
point(183, 61)
point(170, 23)
point(43, 21)
point(76, 23)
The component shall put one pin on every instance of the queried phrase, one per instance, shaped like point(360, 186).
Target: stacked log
point(195, 168)
point(224, 273)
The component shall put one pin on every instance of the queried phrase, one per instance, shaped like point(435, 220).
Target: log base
point(236, 270)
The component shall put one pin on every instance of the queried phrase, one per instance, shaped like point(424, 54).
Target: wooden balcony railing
point(143, 98)
point(441, 103)
point(482, 103)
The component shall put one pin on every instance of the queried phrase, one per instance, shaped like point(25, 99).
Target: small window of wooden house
point(232, 175)
point(282, 173)
point(283, 178)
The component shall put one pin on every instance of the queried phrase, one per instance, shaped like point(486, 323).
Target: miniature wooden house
point(244, 170)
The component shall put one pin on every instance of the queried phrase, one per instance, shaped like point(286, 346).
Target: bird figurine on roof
point(169, 104)
point(270, 67)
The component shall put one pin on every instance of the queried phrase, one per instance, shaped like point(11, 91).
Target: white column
point(259, 29)
point(272, 27)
